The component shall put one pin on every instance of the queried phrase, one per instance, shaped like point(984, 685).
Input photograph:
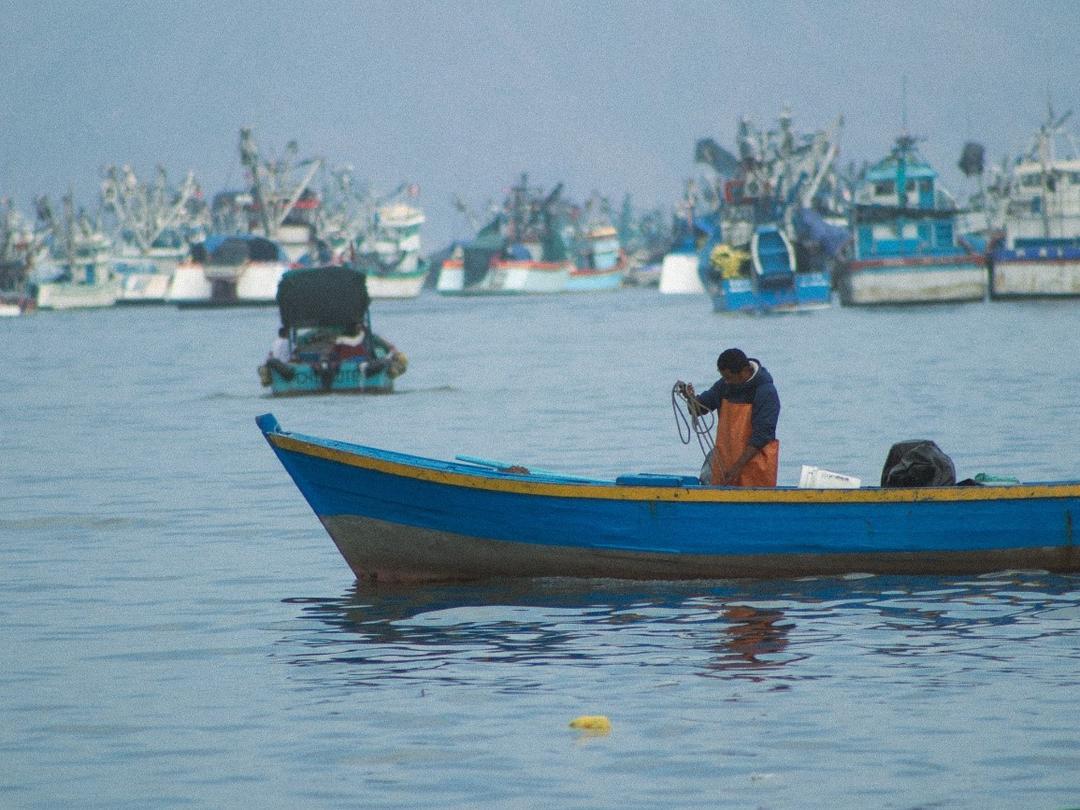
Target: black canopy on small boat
point(322, 296)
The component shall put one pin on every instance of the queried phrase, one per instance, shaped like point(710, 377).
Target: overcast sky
point(461, 97)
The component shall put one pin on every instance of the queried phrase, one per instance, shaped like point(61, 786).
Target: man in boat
point(747, 452)
point(279, 357)
point(355, 344)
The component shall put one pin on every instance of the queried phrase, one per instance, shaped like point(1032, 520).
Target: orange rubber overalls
point(732, 437)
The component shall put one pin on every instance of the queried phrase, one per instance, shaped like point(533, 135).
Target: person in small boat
point(280, 349)
point(279, 357)
point(355, 345)
point(747, 452)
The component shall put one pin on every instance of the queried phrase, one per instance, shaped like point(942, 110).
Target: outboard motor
point(917, 463)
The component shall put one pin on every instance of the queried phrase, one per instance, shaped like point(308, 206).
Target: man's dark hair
point(733, 360)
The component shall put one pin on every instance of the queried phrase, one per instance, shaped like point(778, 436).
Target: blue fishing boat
point(402, 517)
point(906, 249)
point(771, 249)
point(600, 264)
point(765, 279)
point(331, 348)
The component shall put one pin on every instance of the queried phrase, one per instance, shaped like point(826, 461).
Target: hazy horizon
point(461, 98)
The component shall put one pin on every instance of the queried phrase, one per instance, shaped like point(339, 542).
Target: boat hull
point(396, 285)
point(584, 280)
point(400, 517)
point(388, 552)
point(510, 277)
point(65, 295)
point(346, 378)
point(250, 284)
point(808, 291)
point(189, 285)
point(914, 280)
point(144, 288)
point(1045, 272)
point(679, 275)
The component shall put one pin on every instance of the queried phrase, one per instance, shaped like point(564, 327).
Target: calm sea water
point(178, 630)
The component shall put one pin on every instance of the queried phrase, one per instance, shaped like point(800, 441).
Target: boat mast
point(143, 211)
point(1044, 153)
point(268, 180)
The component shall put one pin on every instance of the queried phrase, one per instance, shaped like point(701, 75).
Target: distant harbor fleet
point(772, 225)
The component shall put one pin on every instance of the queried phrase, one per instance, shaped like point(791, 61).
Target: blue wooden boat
point(400, 517)
point(317, 306)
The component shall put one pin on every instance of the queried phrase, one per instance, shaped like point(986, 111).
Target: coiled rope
point(688, 423)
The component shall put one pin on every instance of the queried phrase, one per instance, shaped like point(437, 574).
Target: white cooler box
point(817, 478)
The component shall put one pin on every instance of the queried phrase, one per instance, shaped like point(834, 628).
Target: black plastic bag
point(917, 463)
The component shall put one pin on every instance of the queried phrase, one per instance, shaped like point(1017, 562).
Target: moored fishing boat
point(229, 270)
point(474, 274)
point(19, 247)
point(75, 272)
point(771, 248)
point(599, 263)
point(389, 255)
point(520, 251)
point(153, 223)
point(765, 279)
point(329, 344)
point(1040, 256)
point(679, 266)
point(146, 275)
point(906, 249)
point(401, 517)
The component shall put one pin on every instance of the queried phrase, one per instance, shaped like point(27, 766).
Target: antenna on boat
point(903, 105)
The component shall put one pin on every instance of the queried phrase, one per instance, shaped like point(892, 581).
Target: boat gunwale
point(474, 477)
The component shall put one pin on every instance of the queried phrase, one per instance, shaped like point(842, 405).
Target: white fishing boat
point(77, 273)
point(190, 286)
point(679, 267)
point(1040, 256)
point(256, 235)
point(284, 207)
point(145, 279)
point(520, 251)
point(230, 270)
point(153, 223)
point(679, 274)
point(389, 253)
point(502, 277)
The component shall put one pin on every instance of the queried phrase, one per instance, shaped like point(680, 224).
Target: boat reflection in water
point(754, 638)
point(772, 632)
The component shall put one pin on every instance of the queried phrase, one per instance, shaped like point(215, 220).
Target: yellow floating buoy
point(592, 722)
